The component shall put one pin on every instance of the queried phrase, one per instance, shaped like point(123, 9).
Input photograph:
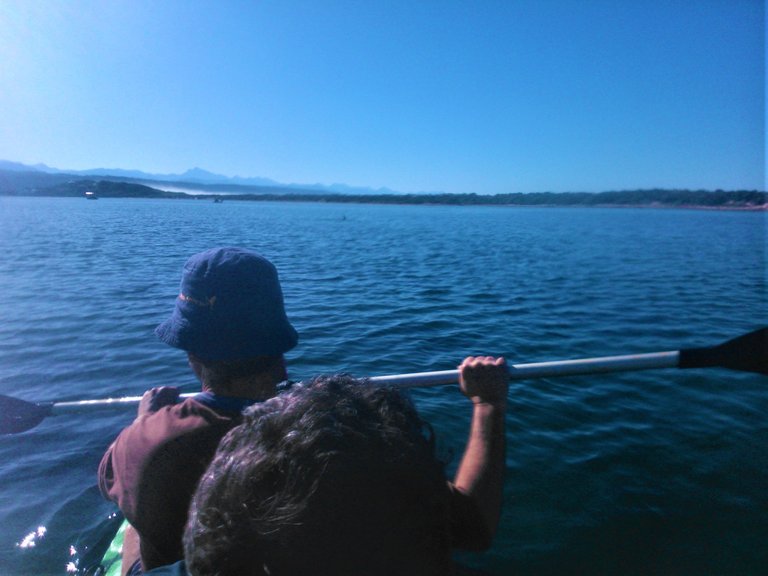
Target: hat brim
point(211, 340)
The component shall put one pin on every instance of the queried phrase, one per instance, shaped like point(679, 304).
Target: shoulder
point(176, 425)
point(180, 418)
point(170, 421)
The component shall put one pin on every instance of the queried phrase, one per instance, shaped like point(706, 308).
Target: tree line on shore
point(650, 197)
point(655, 197)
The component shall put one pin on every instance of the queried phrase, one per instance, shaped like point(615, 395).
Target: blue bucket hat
point(230, 306)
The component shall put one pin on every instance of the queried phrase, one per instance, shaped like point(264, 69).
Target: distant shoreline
point(395, 201)
point(35, 185)
point(287, 198)
point(649, 206)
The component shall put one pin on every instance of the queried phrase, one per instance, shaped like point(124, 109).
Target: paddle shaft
point(629, 363)
point(603, 365)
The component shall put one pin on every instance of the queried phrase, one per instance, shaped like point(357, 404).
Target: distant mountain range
point(193, 178)
point(21, 180)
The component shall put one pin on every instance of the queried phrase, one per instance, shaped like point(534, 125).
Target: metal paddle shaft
point(543, 369)
point(100, 403)
point(443, 377)
point(746, 353)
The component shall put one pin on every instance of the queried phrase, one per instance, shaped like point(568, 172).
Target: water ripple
point(659, 464)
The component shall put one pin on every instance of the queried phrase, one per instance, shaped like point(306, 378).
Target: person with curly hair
point(340, 477)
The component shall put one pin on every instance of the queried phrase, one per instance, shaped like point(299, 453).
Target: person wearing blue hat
point(229, 317)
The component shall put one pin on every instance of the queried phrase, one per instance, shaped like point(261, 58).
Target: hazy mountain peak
point(198, 173)
point(193, 176)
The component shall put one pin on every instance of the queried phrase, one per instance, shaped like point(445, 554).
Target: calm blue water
point(660, 472)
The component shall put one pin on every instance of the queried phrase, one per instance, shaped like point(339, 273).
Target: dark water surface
point(660, 472)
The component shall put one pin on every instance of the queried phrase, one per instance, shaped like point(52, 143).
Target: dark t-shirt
point(153, 467)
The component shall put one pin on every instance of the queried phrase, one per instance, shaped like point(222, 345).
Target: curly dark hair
point(336, 476)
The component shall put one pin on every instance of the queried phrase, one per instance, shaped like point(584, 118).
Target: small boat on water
point(218, 200)
point(91, 196)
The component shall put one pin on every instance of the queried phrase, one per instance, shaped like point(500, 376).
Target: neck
point(258, 387)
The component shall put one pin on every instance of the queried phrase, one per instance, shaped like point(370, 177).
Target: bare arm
point(485, 381)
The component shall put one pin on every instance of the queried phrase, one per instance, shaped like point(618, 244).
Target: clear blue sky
point(472, 96)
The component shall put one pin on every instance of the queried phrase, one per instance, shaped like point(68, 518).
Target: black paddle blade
point(748, 353)
point(19, 415)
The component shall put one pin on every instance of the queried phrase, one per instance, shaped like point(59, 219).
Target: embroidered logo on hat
point(209, 304)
